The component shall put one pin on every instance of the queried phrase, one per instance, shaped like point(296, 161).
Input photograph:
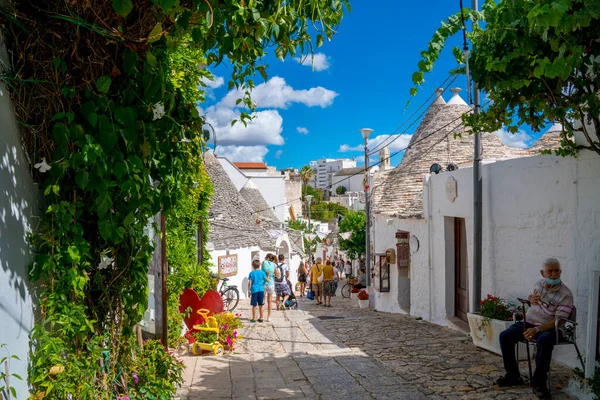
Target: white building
point(534, 207)
point(325, 168)
point(272, 187)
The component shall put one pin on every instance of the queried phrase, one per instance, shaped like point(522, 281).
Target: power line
point(419, 117)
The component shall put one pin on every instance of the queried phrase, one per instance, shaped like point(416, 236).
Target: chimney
point(439, 99)
point(456, 99)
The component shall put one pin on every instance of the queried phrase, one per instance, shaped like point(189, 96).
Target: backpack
point(279, 274)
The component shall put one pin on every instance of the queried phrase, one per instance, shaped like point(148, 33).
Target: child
point(256, 283)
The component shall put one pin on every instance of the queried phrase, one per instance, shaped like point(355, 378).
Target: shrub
point(228, 325)
point(493, 307)
point(363, 295)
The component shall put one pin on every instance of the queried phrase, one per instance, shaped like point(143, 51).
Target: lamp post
point(308, 200)
point(365, 134)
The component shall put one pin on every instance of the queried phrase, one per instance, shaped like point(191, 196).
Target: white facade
point(325, 168)
point(350, 200)
point(533, 208)
point(272, 188)
point(19, 214)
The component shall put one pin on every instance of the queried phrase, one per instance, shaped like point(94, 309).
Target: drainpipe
point(477, 203)
point(429, 245)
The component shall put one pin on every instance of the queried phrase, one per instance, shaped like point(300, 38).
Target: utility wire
point(383, 144)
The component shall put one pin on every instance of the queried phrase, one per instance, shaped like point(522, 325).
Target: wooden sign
point(228, 265)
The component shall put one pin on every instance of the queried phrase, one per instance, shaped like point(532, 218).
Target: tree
point(536, 61)
point(355, 222)
point(325, 211)
point(306, 174)
point(340, 190)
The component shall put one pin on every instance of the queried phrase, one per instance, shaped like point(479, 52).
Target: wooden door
point(461, 277)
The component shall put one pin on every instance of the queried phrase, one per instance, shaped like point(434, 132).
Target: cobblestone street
point(344, 352)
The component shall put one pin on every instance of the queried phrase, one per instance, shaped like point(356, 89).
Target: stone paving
point(344, 352)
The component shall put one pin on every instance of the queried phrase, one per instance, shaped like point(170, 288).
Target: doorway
point(461, 270)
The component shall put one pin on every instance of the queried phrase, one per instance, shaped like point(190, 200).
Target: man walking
point(316, 286)
point(550, 299)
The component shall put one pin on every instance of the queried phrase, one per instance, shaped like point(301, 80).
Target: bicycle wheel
point(231, 297)
point(346, 289)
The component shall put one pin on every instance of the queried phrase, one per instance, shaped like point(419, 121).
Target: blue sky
point(363, 80)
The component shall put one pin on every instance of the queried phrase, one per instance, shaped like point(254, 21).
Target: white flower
point(186, 140)
point(42, 166)
point(159, 111)
point(106, 262)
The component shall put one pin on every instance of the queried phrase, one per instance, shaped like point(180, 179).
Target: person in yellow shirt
point(317, 287)
point(328, 283)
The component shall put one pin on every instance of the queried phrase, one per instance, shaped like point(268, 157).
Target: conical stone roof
point(233, 223)
point(257, 202)
point(440, 138)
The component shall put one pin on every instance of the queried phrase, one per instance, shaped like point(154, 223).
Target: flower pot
point(354, 296)
point(486, 333)
point(363, 303)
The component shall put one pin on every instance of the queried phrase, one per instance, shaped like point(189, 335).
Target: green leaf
point(13, 392)
point(320, 40)
point(60, 133)
point(17, 375)
point(151, 60)
point(155, 33)
point(108, 138)
point(103, 84)
point(129, 219)
point(103, 203)
point(93, 119)
point(77, 132)
point(55, 189)
point(130, 61)
point(183, 20)
point(166, 5)
point(74, 254)
point(105, 228)
point(81, 178)
point(119, 169)
point(122, 7)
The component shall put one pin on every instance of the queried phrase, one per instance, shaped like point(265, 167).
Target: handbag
point(310, 295)
point(320, 277)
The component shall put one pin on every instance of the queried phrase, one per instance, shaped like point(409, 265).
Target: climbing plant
point(107, 93)
point(537, 63)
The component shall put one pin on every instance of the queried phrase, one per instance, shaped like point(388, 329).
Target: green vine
point(107, 95)
point(537, 63)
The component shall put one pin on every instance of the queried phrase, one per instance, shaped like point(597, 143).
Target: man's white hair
point(319, 260)
point(552, 261)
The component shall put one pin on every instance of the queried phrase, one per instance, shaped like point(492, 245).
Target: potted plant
point(494, 316)
point(354, 294)
point(363, 299)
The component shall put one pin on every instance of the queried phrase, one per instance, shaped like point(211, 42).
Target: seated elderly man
point(550, 300)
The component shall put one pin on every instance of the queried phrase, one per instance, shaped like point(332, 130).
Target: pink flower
point(135, 377)
point(229, 341)
point(235, 334)
point(225, 327)
point(124, 397)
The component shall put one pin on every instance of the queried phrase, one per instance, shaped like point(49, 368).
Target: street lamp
point(366, 132)
point(308, 200)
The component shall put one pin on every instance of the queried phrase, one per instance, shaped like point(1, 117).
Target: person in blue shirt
point(256, 288)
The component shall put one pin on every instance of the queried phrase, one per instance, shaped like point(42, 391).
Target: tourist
point(348, 270)
point(362, 279)
point(551, 299)
point(328, 273)
point(302, 277)
point(268, 267)
point(317, 288)
point(282, 288)
point(336, 280)
point(256, 288)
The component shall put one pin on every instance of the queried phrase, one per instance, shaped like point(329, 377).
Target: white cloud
point(518, 139)
point(216, 82)
point(302, 130)
point(276, 93)
point(278, 154)
point(242, 153)
point(397, 145)
point(319, 61)
point(265, 128)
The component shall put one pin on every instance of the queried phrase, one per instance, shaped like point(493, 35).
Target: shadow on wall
point(19, 214)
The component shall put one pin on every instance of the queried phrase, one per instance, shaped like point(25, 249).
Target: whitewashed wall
point(273, 190)
point(244, 258)
point(533, 208)
point(405, 294)
point(18, 215)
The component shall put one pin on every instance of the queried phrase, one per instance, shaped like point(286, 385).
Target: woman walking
point(268, 267)
point(302, 277)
